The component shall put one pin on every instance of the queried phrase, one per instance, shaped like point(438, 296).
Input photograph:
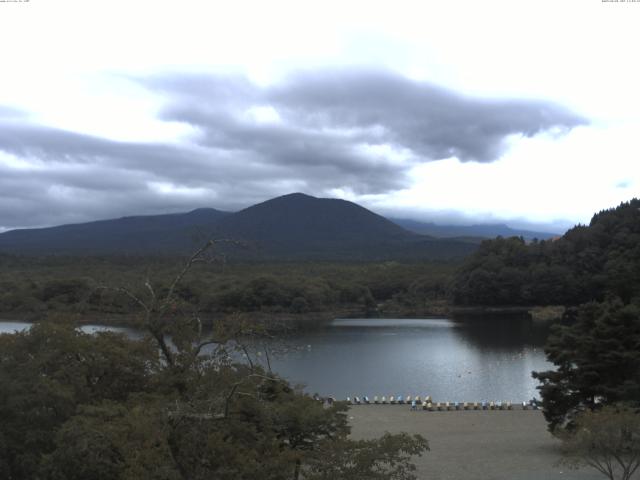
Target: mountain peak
point(296, 195)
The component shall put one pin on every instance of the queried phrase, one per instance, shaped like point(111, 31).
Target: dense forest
point(594, 271)
point(32, 287)
point(587, 263)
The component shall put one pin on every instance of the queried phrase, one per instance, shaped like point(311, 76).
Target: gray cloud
point(66, 177)
point(316, 131)
point(376, 107)
point(433, 122)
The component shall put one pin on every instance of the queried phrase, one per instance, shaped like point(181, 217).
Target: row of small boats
point(426, 403)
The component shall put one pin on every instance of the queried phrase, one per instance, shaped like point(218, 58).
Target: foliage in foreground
point(607, 440)
point(79, 406)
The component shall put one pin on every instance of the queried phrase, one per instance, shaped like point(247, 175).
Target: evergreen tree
point(597, 361)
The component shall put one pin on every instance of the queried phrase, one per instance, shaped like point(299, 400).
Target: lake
point(451, 360)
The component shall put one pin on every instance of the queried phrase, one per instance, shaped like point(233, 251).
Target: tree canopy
point(597, 360)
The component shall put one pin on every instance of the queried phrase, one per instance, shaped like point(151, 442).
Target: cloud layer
point(360, 131)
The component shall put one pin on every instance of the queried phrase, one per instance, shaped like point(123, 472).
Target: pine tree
point(597, 360)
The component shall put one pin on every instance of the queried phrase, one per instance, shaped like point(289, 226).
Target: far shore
point(473, 445)
point(308, 320)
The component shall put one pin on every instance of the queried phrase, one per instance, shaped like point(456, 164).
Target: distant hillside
point(470, 231)
point(137, 234)
point(294, 226)
point(587, 263)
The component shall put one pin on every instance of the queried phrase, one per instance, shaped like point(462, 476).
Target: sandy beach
point(483, 445)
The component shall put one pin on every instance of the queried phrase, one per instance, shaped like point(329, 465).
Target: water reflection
point(11, 327)
point(7, 326)
point(451, 360)
point(129, 332)
point(503, 334)
point(392, 323)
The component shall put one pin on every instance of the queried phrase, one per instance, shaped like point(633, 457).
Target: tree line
point(36, 287)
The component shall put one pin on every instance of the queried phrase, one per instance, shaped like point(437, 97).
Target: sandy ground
point(483, 445)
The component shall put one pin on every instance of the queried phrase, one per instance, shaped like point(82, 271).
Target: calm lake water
point(450, 360)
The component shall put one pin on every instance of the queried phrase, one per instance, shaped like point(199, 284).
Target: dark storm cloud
point(433, 122)
point(51, 176)
point(334, 129)
point(376, 107)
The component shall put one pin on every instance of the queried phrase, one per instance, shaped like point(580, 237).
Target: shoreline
point(472, 444)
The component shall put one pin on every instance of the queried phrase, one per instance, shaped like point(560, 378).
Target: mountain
point(301, 221)
point(137, 234)
point(299, 226)
point(294, 226)
point(470, 231)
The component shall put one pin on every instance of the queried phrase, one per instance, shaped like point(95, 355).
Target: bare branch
point(266, 354)
point(128, 293)
point(203, 344)
point(185, 269)
point(194, 258)
point(147, 284)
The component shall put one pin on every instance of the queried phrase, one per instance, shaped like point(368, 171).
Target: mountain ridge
point(294, 226)
point(98, 234)
point(489, 230)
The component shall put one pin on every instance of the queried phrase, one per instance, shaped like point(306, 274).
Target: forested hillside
point(587, 263)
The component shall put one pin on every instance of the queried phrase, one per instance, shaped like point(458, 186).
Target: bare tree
point(159, 310)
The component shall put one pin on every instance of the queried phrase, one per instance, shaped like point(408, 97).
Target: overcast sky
point(524, 112)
